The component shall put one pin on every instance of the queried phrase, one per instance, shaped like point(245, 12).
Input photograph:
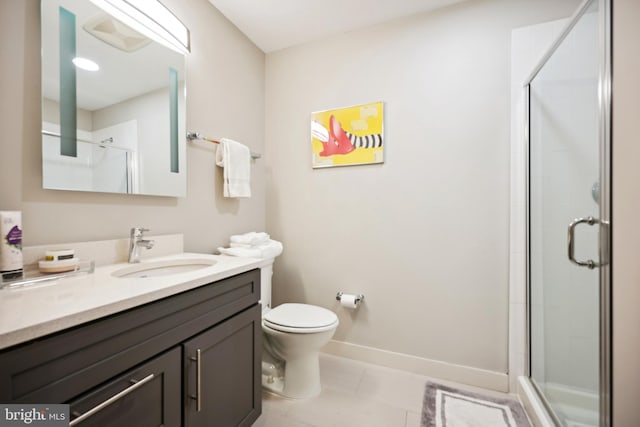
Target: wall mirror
point(113, 105)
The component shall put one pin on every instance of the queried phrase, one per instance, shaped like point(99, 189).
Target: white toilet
point(293, 336)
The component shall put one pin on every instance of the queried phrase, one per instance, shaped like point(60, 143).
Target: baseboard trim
point(433, 368)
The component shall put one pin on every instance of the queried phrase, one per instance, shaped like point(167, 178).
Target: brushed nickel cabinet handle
point(198, 396)
point(136, 384)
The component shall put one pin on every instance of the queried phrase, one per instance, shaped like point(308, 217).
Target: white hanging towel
point(235, 158)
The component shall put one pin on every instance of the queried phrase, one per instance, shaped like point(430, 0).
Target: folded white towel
point(268, 250)
point(251, 238)
point(235, 158)
point(241, 245)
point(271, 249)
point(241, 252)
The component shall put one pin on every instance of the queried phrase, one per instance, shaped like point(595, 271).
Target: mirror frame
point(137, 172)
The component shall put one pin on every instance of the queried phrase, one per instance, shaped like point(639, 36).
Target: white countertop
point(37, 310)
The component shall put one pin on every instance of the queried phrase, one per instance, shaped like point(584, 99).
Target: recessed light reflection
point(85, 64)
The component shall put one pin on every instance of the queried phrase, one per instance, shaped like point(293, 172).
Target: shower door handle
point(590, 264)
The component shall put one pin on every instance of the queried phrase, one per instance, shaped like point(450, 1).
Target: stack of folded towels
point(252, 244)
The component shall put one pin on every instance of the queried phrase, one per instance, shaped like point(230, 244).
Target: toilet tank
point(265, 285)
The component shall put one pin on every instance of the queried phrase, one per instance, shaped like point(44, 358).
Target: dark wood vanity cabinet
point(191, 359)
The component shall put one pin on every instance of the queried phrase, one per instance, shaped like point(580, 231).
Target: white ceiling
point(276, 24)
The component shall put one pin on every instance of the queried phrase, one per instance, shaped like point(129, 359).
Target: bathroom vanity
point(188, 356)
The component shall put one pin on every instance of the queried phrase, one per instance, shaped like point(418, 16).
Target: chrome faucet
point(135, 241)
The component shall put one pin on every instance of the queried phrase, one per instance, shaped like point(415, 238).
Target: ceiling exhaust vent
point(113, 32)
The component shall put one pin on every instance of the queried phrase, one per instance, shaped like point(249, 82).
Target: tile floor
point(354, 394)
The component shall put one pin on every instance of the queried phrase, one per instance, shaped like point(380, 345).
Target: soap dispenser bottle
point(10, 244)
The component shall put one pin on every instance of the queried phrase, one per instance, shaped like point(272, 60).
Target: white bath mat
point(449, 407)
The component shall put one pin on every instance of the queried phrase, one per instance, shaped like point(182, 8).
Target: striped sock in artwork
point(366, 141)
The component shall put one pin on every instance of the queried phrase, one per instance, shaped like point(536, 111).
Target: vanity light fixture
point(85, 64)
point(151, 18)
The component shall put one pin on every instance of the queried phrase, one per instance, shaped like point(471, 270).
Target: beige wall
point(51, 114)
point(225, 80)
point(425, 235)
point(626, 206)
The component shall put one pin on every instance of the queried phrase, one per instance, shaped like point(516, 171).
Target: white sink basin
point(163, 268)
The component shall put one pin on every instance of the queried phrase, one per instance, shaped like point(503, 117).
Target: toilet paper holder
point(358, 298)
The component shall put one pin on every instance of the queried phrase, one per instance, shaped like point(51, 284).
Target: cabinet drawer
point(147, 396)
point(59, 367)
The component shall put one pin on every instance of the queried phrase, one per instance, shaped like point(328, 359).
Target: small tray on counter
point(31, 275)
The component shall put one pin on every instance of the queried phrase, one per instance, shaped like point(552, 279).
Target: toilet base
point(300, 379)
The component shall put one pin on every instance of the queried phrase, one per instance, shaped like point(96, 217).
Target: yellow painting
point(348, 136)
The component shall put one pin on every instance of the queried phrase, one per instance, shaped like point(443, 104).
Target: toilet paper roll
point(348, 301)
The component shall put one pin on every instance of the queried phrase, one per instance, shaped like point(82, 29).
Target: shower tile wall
point(572, 331)
point(528, 44)
point(567, 137)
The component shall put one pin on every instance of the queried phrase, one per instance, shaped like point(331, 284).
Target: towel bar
point(195, 135)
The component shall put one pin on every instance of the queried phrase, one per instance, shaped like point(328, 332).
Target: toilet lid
point(300, 316)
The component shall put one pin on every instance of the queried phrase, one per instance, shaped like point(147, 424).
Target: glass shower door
point(564, 226)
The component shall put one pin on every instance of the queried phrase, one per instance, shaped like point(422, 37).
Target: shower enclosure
point(568, 212)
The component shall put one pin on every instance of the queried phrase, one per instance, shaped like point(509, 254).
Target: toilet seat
point(300, 319)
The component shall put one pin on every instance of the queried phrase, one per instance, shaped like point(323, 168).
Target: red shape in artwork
point(339, 142)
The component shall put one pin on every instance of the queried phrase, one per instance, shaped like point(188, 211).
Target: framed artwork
point(348, 136)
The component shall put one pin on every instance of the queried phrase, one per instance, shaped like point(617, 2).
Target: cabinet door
point(148, 396)
point(222, 373)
